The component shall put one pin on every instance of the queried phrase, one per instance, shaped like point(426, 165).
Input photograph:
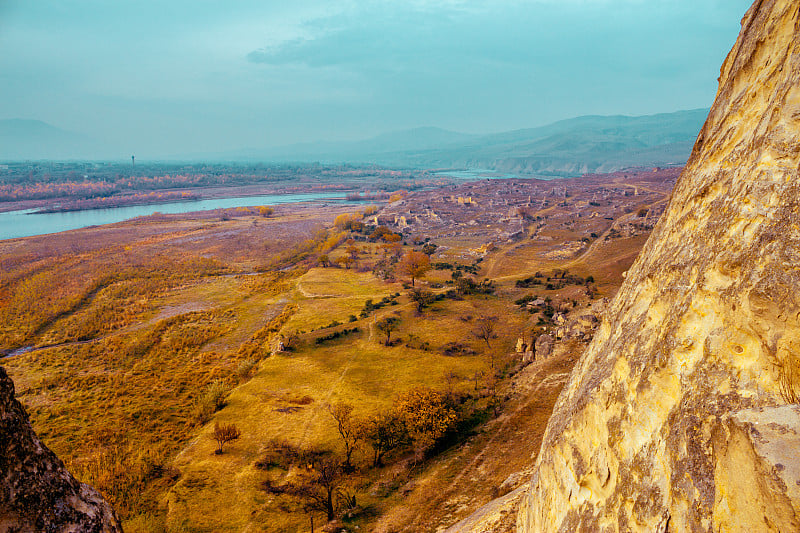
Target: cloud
point(310, 69)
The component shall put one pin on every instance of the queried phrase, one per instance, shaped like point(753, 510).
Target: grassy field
point(144, 335)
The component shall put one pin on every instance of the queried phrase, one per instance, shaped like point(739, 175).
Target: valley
point(130, 343)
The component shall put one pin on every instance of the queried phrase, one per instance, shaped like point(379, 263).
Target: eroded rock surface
point(757, 469)
point(37, 494)
point(655, 430)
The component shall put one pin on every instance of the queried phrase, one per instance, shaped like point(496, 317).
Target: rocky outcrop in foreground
point(37, 494)
point(680, 415)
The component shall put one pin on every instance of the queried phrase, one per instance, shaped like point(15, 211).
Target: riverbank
point(27, 223)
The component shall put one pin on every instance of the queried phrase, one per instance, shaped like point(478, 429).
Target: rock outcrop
point(678, 416)
point(37, 494)
point(544, 346)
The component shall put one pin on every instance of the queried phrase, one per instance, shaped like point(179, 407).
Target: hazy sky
point(193, 75)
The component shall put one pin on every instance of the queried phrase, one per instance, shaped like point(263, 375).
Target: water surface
point(27, 223)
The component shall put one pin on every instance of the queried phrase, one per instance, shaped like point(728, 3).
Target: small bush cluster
point(370, 306)
point(457, 349)
point(336, 335)
point(556, 281)
point(470, 286)
point(443, 265)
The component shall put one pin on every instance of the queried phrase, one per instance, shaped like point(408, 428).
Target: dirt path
point(340, 377)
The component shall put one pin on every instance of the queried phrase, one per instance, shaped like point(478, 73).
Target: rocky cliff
point(37, 494)
point(679, 416)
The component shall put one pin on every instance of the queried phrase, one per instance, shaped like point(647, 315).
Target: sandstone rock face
point(675, 419)
point(37, 494)
point(757, 469)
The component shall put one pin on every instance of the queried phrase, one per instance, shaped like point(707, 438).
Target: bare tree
point(347, 428)
point(484, 329)
point(224, 433)
point(319, 490)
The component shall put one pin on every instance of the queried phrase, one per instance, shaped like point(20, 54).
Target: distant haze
point(171, 79)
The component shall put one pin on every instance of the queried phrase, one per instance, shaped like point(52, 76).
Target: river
point(27, 223)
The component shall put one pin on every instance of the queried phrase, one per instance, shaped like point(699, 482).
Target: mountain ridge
point(590, 143)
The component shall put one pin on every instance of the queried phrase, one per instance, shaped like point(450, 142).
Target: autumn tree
point(387, 325)
point(427, 416)
point(384, 432)
point(345, 261)
point(348, 430)
point(324, 260)
point(265, 211)
point(223, 434)
point(343, 221)
point(392, 238)
point(380, 233)
point(415, 264)
point(391, 248)
point(353, 252)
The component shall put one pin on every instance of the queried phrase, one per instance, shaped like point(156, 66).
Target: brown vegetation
point(224, 434)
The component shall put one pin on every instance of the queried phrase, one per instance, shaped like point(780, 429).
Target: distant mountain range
point(564, 148)
point(567, 147)
point(22, 139)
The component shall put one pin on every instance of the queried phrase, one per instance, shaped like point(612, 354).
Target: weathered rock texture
point(37, 494)
point(672, 420)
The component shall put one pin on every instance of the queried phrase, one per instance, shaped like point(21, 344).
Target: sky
point(187, 76)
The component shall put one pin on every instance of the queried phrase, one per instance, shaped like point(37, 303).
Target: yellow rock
point(676, 417)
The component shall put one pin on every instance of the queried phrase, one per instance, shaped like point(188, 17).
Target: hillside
point(682, 414)
point(566, 148)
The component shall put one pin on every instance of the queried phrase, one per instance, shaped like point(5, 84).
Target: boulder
point(544, 345)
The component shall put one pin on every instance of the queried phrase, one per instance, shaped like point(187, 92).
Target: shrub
point(211, 401)
point(245, 369)
point(224, 434)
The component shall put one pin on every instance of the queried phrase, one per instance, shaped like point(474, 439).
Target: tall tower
point(133, 161)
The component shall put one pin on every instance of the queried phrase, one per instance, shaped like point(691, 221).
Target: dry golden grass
point(119, 401)
point(357, 370)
